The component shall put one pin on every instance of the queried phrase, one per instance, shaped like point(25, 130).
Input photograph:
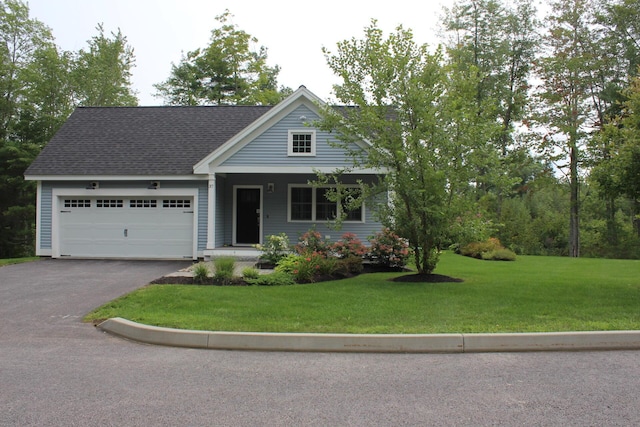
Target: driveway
point(56, 370)
point(49, 297)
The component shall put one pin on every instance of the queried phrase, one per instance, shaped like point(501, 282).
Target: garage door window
point(176, 203)
point(109, 203)
point(77, 203)
point(143, 203)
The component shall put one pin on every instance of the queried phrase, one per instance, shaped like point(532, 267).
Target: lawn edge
point(376, 343)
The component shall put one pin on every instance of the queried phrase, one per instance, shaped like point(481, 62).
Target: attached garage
point(125, 227)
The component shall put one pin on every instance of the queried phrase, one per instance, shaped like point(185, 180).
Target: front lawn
point(533, 294)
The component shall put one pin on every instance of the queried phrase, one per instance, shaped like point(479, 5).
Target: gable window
point(302, 142)
point(307, 203)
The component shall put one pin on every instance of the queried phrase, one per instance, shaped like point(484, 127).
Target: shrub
point(277, 278)
point(388, 249)
point(499, 255)
point(312, 241)
point(224, 267)
point(250, 273)
point(491, 249)
point(200, 272)
point(275, 248)
point(303, 268)
point(349, 246)
point(476, 249)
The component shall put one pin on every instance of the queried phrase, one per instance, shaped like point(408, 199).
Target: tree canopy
point(227, 71)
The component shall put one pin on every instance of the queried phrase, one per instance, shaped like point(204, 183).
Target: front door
point(247, 216)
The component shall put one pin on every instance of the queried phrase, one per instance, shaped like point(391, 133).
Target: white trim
point(58, 193)
point(211, 212)
point(314, 203)
point(137, 178)
point(235, 211)
point(290, 170)
point(305, 131)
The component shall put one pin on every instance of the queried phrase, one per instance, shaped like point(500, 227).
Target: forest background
point(560, 91)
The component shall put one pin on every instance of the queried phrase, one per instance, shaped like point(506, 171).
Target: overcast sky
point(294, 32)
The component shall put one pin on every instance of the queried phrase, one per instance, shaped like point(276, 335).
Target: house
point(187, 182)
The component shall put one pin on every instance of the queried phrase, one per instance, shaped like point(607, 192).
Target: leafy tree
point(227, 71)
point(418, 114)
point(20, 38)
point(566, 71)
point(102, 73)
point(498, 40)
point(619, 174)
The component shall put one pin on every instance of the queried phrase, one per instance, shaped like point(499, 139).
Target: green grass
point(8, 261)
point(533, 294)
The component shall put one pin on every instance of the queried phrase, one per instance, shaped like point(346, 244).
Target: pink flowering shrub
point(388, 249)
point(312, 241)
point(349, 246)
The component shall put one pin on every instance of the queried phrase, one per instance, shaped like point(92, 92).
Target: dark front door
point(247, 216)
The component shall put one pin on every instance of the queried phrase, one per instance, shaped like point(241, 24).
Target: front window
point(307, 203)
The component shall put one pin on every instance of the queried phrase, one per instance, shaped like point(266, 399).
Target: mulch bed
point(367, 268)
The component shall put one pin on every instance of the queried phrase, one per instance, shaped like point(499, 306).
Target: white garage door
point(126, 227)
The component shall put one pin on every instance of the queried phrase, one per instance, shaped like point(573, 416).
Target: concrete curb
point(380, 343)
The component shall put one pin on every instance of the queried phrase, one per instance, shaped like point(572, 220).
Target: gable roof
point(302, 96)
point(142, 141)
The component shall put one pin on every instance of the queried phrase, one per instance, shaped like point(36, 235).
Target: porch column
point(211, 213)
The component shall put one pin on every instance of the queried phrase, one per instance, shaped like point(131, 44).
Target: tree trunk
point(574, 225)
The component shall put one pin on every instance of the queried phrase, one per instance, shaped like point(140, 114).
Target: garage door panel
point(127, 231)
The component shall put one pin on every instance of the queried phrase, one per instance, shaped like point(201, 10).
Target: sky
point(294, 32)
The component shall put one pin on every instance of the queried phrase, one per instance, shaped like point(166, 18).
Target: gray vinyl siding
point(275, 209)
point(45, 207)
point(271, 147)
point(203, 211)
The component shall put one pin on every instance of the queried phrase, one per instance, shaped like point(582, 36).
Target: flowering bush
point(303, 268)
point(349, 246)
point(311, 242)
point(388, 249)
point(275, 248)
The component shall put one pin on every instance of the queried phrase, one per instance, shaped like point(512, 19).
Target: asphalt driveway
point(50, 297)
point(56, 370)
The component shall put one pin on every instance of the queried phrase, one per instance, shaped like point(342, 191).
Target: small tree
point(421, 120)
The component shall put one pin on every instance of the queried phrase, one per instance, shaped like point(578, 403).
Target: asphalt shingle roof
point(140, 140)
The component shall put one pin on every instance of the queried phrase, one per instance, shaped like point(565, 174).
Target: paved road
point(56, 370)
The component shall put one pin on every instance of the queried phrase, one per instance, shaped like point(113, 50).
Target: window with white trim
point(307, 203)
point(302, 142)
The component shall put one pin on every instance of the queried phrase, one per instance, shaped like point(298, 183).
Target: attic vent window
point(302, 142)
